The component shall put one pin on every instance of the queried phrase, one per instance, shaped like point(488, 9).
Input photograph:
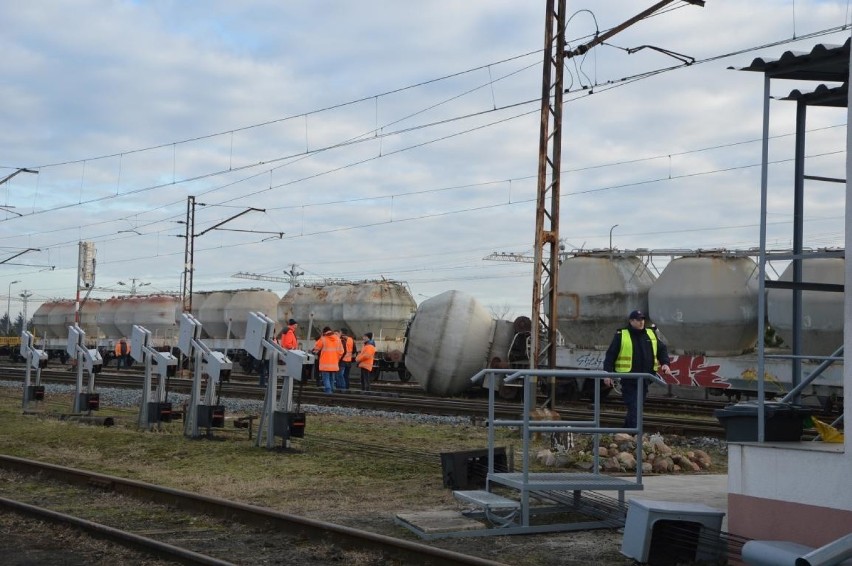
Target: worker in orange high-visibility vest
point(365, 359)
point(122, 353)
point(330, 351)
point(348, 355)
point(288, 337)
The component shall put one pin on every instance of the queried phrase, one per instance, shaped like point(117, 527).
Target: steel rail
point(124, 538)
point(348, 537)
point(473, 408)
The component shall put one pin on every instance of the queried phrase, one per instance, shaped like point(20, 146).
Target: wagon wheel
point(570, 391)
point(508, 392)
point(504, 391)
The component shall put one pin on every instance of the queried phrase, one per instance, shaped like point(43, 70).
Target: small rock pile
point(618, 454)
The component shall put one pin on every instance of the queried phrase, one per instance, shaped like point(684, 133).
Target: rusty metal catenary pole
point(547, 210)
point(546, 253)
point(188, 255)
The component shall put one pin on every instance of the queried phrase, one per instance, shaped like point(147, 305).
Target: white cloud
point(414, 200)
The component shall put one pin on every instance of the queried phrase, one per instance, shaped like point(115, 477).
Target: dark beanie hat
point(369, 335)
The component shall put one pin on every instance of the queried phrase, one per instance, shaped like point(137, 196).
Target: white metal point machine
point(36, 359)
point(278, 417)
point(153, 409)
point(201, 412)
point(87, 359)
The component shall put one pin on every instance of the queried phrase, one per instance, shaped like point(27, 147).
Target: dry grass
point(344, 466)
point(357, 471)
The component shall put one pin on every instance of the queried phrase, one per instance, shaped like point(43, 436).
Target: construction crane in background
point(509, 256)
point(260, 277)
point(516, 257)
point(293, 278)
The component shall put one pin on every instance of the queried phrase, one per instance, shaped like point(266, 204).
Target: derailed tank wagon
point(451, 338)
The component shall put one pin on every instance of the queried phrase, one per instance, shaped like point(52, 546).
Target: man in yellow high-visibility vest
point(635, 349)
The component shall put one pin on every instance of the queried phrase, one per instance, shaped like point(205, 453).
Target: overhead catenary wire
point(608, 85)
point(448, 188)
point(454, 187)
point(423, 126)
point(516, 202)
point(300, 179)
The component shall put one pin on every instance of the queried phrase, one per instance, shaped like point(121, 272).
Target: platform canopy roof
point(822, 96)
point(824, 63)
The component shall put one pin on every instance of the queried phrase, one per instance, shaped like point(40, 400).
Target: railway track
point(665, 416)
point(181, 526)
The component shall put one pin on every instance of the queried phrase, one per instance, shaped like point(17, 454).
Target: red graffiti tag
point(691, 371)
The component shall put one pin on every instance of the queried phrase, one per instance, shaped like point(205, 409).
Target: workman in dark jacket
point(635, 349)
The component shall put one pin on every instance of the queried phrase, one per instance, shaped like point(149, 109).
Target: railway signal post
point(201, 411)
point(87, 359)
point(278, 417)
point(36, 359)
point(153, 409)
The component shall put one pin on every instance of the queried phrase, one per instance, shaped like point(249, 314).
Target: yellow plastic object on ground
point(827, 432)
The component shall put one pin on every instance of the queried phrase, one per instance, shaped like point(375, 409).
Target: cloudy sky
point(387, 139)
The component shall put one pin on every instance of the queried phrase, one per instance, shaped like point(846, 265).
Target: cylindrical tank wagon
point(381, 307)
point(822, 312)
point(595, 291)
point(449, 342)
point(703, 303)
point(706, 304)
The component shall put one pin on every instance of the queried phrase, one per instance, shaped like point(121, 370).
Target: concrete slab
point(434, 522)
point(709, 489)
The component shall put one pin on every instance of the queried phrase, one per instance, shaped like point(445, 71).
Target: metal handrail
point(837, 355)
point(527, 426)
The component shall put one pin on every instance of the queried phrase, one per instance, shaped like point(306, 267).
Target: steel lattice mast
point(546, 252)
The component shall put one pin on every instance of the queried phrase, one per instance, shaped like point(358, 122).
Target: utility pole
point(188, 254)
point(24, 298)
point(9, 307)
point(133, 285)
point(189, 249)
point(85, 275)
point(293, 275)
point(546, 253)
